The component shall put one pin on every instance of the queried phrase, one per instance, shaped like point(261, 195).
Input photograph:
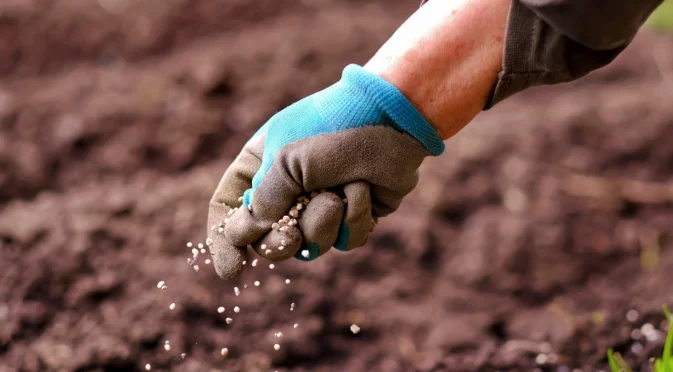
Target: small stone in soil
point(254, 262)
point(355, 329)
point(224, 351)
point(229, 320)
point(276, 347)
point(160, 285)
point(632, 315)
point(172, 306)
point(183, 355)
point(296, 325)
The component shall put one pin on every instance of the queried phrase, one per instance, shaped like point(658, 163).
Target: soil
point(524, 246)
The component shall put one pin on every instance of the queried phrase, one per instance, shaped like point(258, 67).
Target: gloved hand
point(360, 141)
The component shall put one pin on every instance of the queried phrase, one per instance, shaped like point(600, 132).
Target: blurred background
point(538, 240)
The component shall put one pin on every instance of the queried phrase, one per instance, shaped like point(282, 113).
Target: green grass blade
point(668, 348)
point(622, 363)
point(667, 312)
point(657, 366)
point(617, 363)
point(614, 367)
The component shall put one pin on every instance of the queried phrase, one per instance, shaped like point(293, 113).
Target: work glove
point(320, 173)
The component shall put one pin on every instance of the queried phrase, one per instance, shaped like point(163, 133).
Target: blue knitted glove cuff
point(389, 99)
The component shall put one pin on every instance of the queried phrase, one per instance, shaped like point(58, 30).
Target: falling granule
point(295, 325)
point(220, 309)
point(195, 251)
point(282, 242)
point(245, 286)
point(345, 201)
point(196, 268)
point(256, 283)
point(254, 262)
point(183, 355)
point(200, 245)
point(280, 248)
point(229, 320)
point(160, 285)
point(287, 281)
point(237, 291)
point(292, 306)
point(224, 351)
point(189, 244)
point(275, 225)
point(207, 262)
point(268, 251)
point(244, 262)
point(355, 329)
point(278, 334)
point(148, 366)
point(203, 251)
point(237, 309)
point(271, 266)
point(172, 306)
point(209, 241)
point(276, 347)
point(220, 230)
point(190, 261)
point(167, 347)
point(305, 253)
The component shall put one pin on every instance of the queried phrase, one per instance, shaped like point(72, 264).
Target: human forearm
point(446, 58)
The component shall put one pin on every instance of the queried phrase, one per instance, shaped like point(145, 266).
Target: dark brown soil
point(523, 247)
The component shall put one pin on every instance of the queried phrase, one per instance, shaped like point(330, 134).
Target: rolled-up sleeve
point(555, 41)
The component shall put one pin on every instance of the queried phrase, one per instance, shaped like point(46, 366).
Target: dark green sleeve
point(555, 41)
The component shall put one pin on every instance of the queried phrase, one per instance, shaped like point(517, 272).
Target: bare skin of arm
point(446, 58)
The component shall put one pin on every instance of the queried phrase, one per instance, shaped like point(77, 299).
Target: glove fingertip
point(228, 262)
